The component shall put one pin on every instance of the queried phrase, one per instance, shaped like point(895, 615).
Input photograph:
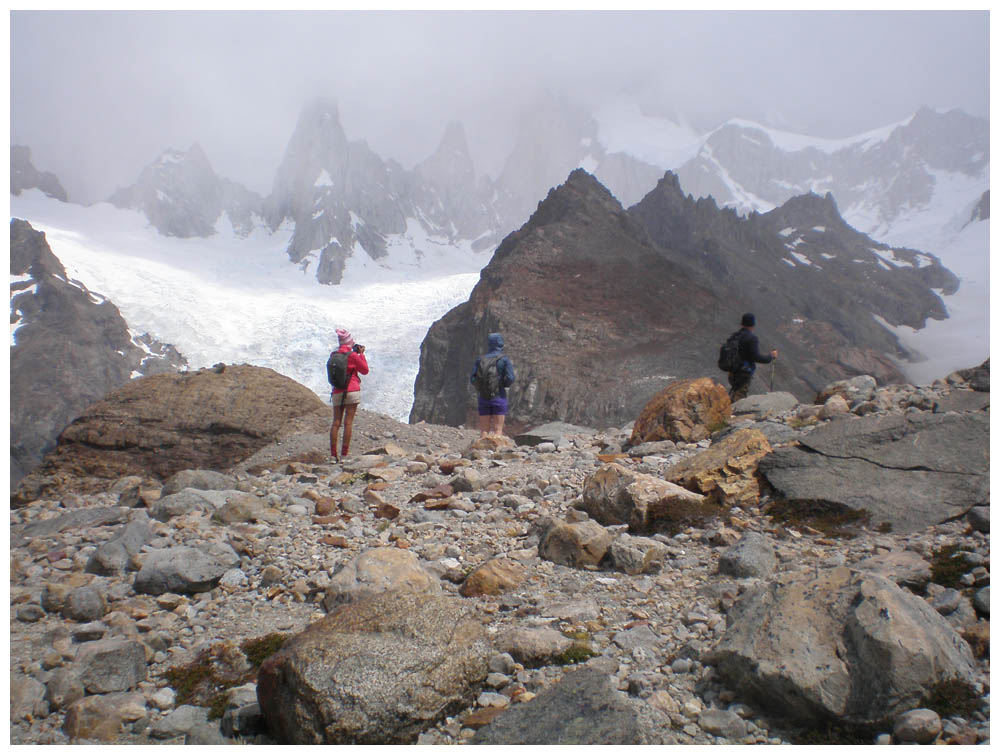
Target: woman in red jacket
point(346, 400)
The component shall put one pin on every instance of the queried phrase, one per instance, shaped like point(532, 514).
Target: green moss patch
point(952, 698)
point(948, 564)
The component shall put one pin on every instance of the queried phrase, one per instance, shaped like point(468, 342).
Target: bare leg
point(349, 411)
point(484, 425)
point(338, 413)
point(496, 424)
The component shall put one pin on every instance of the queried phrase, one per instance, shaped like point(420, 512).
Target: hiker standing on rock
point(748, 357)
point(492, 375)
point(342, 370)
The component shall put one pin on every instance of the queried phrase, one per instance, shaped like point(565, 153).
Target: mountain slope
point(24, 176)
point(601, 307)
point(69, 347)
point(182, 196)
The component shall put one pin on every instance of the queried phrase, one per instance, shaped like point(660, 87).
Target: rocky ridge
point(69, 347)
point(182, 196)
point(587, 294)
point(24, 175)
point(589, 631)
point(877, 179)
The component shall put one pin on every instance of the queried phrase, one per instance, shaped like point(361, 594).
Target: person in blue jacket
point(493, 408)
point(750, 357)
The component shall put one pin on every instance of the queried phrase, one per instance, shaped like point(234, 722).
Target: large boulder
point(184, 569)
point(686, 410)
point(726, 471)
point(377, 671)
point(616, 495)
point(68, 349)
point(842, 644)
point(162, 424)
point(907, 470)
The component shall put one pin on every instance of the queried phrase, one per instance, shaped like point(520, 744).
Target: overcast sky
point(98, 95)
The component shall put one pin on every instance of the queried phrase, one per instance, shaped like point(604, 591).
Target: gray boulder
point(185, 501)
point(766, 405)
point(751, 556)
point(575, 543)
point(198, 479)
point(616, 495)
point(114, 556)
point(979, 518)
point(550, 432)
point(636, 555)
point(533, 646)
point(920, 725)
point(583, 708)
point(722, 723)
point(842, 644)
point(84, 604)
point(906, 470)
point(112, 665)
point(981, 600)
point(184, 569)
point(854, 390)
point(76, 519)
point(376, 671)
point(378, 570)
point(904, 567)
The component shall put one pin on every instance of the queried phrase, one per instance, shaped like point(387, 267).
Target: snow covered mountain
point(225, 275)
point(236, 299)
point(345, 201)
point(182, 196)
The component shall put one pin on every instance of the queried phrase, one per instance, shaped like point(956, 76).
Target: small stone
point(723, 723)
point(921, 725)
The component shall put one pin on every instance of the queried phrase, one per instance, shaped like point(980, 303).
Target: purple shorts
point(490, 406)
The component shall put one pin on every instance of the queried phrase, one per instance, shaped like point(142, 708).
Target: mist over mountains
point(341, 223)
point(343, 199)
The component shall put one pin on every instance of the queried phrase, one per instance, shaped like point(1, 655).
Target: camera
point(358, 348)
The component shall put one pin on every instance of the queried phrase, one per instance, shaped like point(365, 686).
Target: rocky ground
point(95, 629)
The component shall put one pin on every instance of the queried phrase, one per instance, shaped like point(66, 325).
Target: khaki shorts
point(353, 397)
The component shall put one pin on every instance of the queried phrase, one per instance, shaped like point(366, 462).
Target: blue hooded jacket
point(504, 365)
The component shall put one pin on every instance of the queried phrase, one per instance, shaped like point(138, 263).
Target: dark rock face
point(162, 424)
point(600, 308)
point(576, 290)
point(813, 282)
point(24, 175)
point(910, 470)
point(69, 348)
point(182, 196)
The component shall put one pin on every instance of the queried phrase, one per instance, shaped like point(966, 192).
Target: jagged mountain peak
point(24, 176)
point(580, 196)
point(181, 195)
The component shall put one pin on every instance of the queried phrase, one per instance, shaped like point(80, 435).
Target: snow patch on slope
point(239, 300)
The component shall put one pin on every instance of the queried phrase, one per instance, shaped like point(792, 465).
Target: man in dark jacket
point(750, 356)
point(493, 409)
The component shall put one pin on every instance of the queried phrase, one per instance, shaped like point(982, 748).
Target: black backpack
point(336, 369)
point(488, 378)
point(729, 354)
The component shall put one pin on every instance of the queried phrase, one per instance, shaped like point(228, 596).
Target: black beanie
point(748, 320)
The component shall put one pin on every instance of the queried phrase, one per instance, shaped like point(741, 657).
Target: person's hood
point(496, 341)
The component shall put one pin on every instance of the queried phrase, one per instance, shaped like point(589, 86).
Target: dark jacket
point(504, 366)
point(750, 352)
